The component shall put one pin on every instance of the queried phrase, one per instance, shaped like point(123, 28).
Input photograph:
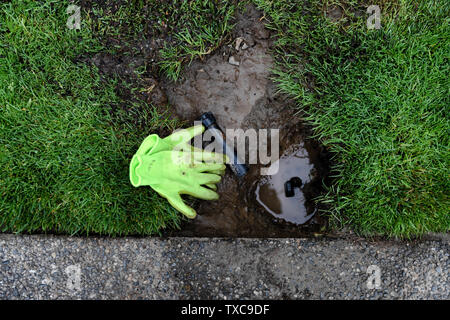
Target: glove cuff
point(141, 171)
point(151, 145)
point(134, 165)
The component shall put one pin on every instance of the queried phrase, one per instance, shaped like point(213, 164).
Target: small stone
point(238, 42)
point(232, 60)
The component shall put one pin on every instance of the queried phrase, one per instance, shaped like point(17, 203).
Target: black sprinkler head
point(208, 119)
point(290, 185)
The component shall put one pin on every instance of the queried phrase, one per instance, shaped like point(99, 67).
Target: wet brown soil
point(270, 190)
point(234, 83)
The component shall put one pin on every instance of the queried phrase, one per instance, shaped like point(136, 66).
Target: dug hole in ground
point(234, 84)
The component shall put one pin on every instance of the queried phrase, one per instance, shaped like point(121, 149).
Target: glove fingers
point(218, 172)
point(204, 178)
point(185, 147)
point(209, 157)
point(193, 159)
point(210, 167)
point(185, 135)
point(211, 186)
point(220, 155)
point(178, 203)
point(195, 149)
point(202, 193)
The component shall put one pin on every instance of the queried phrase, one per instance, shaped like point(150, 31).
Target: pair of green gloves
point(171, 166)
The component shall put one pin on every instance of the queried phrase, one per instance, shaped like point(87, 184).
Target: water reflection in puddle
point(270, 189)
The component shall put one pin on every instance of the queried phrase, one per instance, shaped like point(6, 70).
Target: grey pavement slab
point(56, 267)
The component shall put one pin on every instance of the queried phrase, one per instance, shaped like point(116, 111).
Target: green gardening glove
point(172, 167)
point(179, 140)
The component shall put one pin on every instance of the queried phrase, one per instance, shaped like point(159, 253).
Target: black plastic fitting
point(290, 185)
point(209, 121)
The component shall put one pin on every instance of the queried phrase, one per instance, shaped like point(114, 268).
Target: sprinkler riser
point(237, 166)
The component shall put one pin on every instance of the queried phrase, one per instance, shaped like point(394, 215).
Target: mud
point(229, 91)
point(234, 83)
point(270, 190)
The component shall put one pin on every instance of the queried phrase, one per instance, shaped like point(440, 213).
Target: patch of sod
point(66, 134)
point(379, 99)
point(64, 164)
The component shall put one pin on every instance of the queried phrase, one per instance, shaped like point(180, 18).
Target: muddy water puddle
point(270, 191)
point(234, 84)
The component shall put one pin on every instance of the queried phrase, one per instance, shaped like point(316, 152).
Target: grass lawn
point(377, 98)
point(64, 167)
point(64, 163)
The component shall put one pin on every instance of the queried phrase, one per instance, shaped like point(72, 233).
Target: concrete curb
point(54, 267)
